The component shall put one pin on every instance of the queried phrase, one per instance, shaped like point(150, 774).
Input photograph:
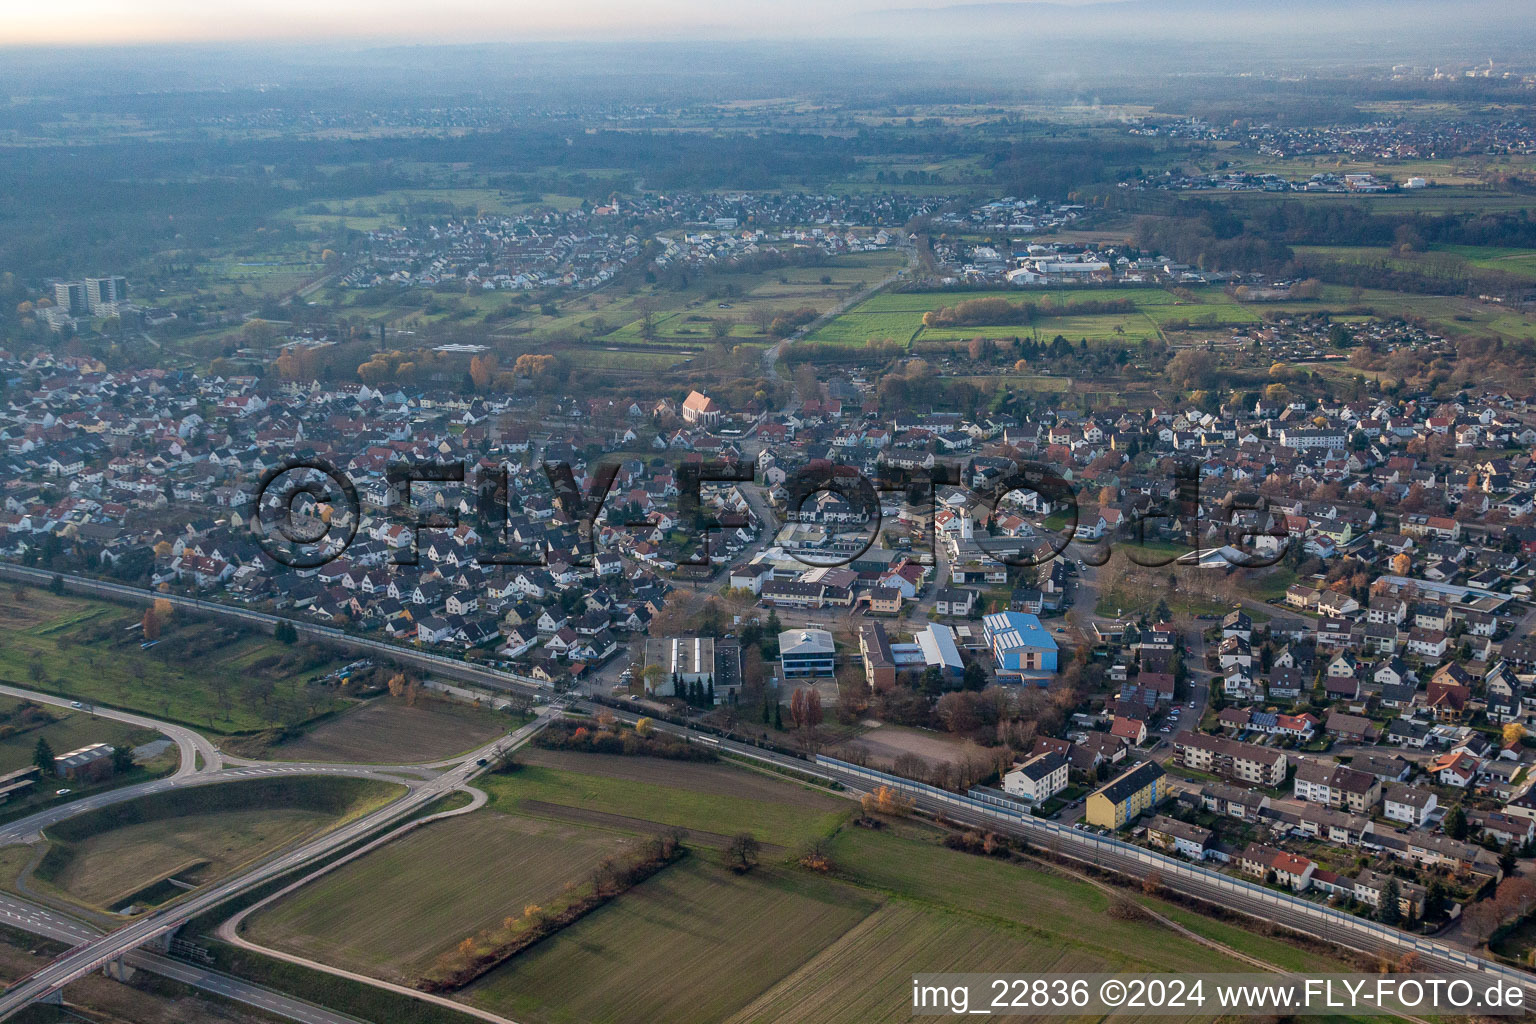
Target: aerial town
point(488, 529)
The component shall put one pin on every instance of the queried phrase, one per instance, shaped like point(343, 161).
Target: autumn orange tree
point(535, 366)
point(402, 685)
point(885, 800)
point(805, 707)
point(817, 855)
point(482, 370)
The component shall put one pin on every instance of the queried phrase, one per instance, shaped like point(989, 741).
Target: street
point(97, 952)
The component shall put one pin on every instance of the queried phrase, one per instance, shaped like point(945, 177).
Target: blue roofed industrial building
point(1021, 648)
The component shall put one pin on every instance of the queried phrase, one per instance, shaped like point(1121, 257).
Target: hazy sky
point(1363, 23)
point(127, 21)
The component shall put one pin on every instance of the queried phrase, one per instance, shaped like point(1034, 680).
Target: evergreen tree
point(1390, 911)
point(778, 716)
point(1434, 899)
point(42, 755)
point(1456, 823)
point(767, 714)
point(975, 677)
point(709, 701)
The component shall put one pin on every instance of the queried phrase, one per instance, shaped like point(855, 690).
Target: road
point(188, 742)
point(1297, 914)
point(25, 829)
point(86, 958)
point(772, 353)
point(1085, 598)
point(28, 917)
point(229, 931)
point(440, 664)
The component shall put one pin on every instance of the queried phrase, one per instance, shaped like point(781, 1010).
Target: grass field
point(624, 792)
point(131, 851)
point(387, 731)
point(899, 315)
point(614, 316)
point(1521, 262)
point(71, 730)
point(1451, 314)
point(1051, 906)
point(780, 946)
point(1022, 381)
point(267, 277)
point(684, 317)
point(697, 943)
point(391, 913)
point(688, 946)
point(1442, 261)
point(87, 649)
point(866, 974)
point(1429, 201)
point(1447, 171)
point(633, 360)
point(109, 870)
point(395, 206)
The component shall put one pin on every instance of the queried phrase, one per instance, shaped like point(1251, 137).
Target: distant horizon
point(72, 24)
point(394, 21)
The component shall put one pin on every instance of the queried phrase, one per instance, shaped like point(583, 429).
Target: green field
point(1022, 381)
point(615, 314)
point(698, 944)
point(899, 315)
point(624, 359)
point(1451, 314)
point(1521, 262)
point(204, 674)
point(387, 730)
point(70, 730)
point(683, 317)
point(1428, 201)
point(130, 852)
point(391, 913)
point(713, 799)
point(1441, 261)
point(271, 276)
point(383, 209)
point(688, 946)
point(1442, 172)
